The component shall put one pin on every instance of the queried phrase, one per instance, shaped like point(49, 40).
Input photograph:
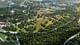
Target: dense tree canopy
point(40, 28)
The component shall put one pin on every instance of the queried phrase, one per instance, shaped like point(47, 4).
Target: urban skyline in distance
point(4, 3)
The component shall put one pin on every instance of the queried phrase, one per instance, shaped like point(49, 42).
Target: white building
point(2, 24)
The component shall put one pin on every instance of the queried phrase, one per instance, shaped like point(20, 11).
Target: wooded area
point(40, 25)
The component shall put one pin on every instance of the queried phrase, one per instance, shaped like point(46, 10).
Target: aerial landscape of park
point(39, 22)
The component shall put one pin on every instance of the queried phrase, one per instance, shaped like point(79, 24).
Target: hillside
point(39, 24)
